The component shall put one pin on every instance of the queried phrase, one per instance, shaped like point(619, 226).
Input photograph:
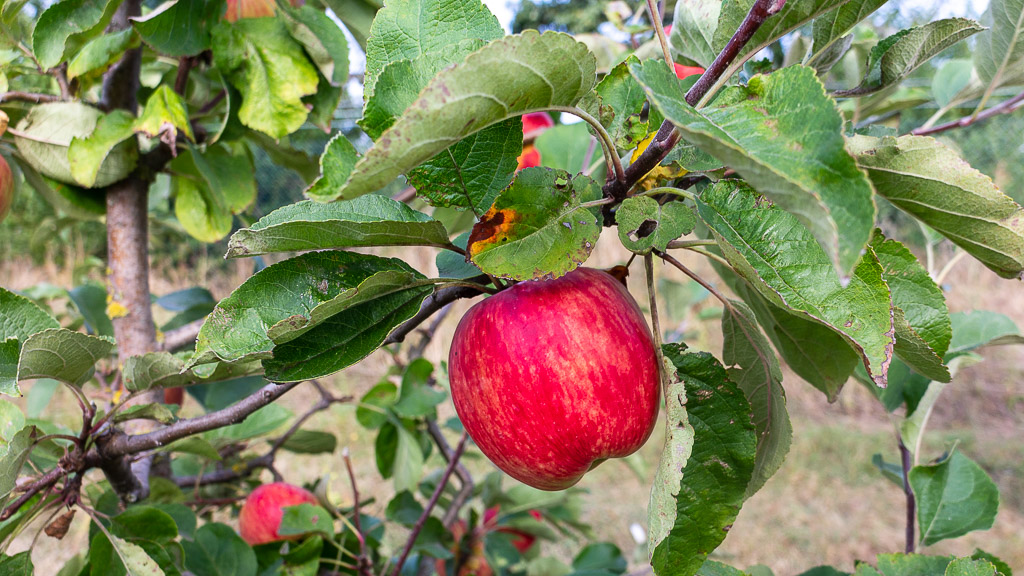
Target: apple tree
point(774, 168)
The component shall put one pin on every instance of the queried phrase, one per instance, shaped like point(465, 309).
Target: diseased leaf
point(693, 30)
point(932, 183)
point(954, 497)
point(754, 368)
point(970, 567)
point(365, 221)
point(763, 131)
point(271, 71)
point(777, 257)
point(895, 57)
point(538, 227)
point(181, 28)
point(488, 87)
point(164, 116)
point(718, 470)
point(63, 355)
point(645, 225)
point(621, 94)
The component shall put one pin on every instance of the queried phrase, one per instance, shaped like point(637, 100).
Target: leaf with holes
point(538, 226)
point(646, 225)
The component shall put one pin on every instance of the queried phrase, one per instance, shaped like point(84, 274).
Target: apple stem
point(452, 463)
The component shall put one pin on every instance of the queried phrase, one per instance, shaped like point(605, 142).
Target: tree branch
point(1004, 107)
point(911, 502)
point(431, 305)
point(452, 463)
point(465, 478)
point(181, 337)
point(28, 97)
point(667, 137)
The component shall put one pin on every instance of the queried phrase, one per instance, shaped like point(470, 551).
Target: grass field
point(828, 504)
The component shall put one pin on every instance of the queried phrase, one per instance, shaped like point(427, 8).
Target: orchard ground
point(828, 503)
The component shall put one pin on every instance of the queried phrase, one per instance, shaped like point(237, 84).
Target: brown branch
point(667, 136)
point(42, 483)
point(28, 97)
point(465, 478)
point(365, 566)
point(452, 463)
point(185, 64)
point(181, 337)
point(1004, 107)
point(911, 503)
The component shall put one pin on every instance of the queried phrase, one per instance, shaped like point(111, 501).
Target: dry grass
point(826, 505)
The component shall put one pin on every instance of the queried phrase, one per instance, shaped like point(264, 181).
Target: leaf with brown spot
point(537, 226)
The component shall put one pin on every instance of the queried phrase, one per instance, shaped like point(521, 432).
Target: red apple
point(529, 158)
point(550, 378)
point(238, 9)
point(687, 71)
point(534, 123)
point(523, 540)
point(261, 514)
point(6, 188)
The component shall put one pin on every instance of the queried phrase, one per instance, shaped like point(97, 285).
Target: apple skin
point(6, 188)
point(530, 158)
point(523, 540)
point(550, 378)
point(687, 71)
point(534, 123)
point(261, 514)
point(238, 9)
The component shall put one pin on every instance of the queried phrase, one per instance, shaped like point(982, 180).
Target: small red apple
point(530, 158)
point(534, 123)
point(174, 396)
point(6, 188)
point(261, 514)
point(550, 378)
point(687, 71)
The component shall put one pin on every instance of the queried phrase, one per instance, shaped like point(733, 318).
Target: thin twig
point(28, 97)
point(363, 560)
point(656, 324)
point(43, 483)
point(1004, 107)
point(659, 30)
point(911, 503)
point(431, 305)
point(430, 504)
point(465, 478)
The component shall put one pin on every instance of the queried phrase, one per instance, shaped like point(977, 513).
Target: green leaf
point(1000, 566)
point(763, 132)
point(486, 88)
point(679, 440)
point(564, 147)
point(404, 509)
point(418, 398)
point(365, 221)
point(999, 53)
point(52, 128)
point(154, 370)
point(755, 369)
point(409, 29)
point(923, 327)
point(305, 519)
point(950, 79)
point(976, 328)
point(910, 564)
point(61, 21)
point(13, 455)
point(409, 460)
point(603, 556)
point(21, 317)
point(357, 15)
point(161, 413)
point(107, 154)
point(10, 349)
point(113, 555)
point(721, 463)
point(311, 442)
point(537, 226)
point(18, 565)
point(451, 264)
point(181, 28)
point(932, 183)
point(101, 52)
point(63, 355)
point(201, 213)
point(471, 172)
point(831, 27)
point(970, 567)
point(895, 57)
point(323, 40)
point(693, 30)
point(792, 16)
point(371, 412)
point(260, 423)
point(91, 302)
point(954, 497)
point(164, 111)
point(336, 162)
point(621, 93)
point(295, 295)
point(196, 445)
point(218, 551)
point(646, 225)
point(271, 71)
point(776, 255)
point(11, 420)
